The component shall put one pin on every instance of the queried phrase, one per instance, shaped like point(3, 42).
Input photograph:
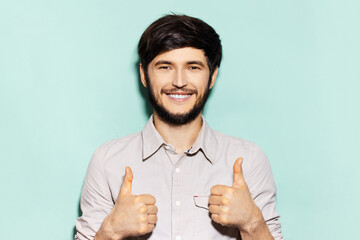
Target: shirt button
point(178, 237)
point(178, 204)
point(177, 170)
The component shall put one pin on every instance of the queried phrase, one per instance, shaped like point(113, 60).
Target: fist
point(233, 206)
point(132, 215)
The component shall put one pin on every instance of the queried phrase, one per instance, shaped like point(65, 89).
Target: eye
point(194, 68)
point(164, 67)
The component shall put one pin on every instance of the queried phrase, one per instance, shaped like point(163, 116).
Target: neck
point(181, 137)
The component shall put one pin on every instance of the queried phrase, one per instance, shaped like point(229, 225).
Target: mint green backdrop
point(289, 81)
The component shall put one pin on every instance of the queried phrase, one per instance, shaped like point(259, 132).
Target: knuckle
point(136, 199)
point(223, 219)
point(151, 227)
point(224, 210)
point(152, 198)
point(215, 189)
point(224, 201)
point(229, 191)
point(211, 208)
point(213, 199)
point(142, 209)
point(156, 209)
point(143, 218)
point(148, 198)
point(143, 229)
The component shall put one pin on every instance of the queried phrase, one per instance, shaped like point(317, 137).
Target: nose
point(179, 79)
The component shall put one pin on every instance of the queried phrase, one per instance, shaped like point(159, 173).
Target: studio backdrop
point(289, 82)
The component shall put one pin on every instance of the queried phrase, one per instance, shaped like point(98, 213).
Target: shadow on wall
point(79, 213)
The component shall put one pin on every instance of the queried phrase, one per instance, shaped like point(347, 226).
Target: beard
point(176, 119)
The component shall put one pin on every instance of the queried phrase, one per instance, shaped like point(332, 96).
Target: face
point(178, 82)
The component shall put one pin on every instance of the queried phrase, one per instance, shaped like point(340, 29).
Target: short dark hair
point(178, 31)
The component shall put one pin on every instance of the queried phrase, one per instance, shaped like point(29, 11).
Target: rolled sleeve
point(263, 189)
point(96, 200)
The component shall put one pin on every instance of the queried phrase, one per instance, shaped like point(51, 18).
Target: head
point(173, 32)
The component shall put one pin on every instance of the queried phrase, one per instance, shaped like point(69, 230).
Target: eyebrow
point(160, 62)
point(196, 62)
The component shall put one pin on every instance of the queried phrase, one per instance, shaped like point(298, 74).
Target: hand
point(131, 216)
point(234, 206)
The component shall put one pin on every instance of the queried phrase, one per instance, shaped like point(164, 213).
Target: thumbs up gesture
point(233, 206)
point(132, 215)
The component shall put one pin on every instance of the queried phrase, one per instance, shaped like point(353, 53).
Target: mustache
point(182, 90)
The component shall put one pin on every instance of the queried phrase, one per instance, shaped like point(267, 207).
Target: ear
point(213, 77)
point(142, 75)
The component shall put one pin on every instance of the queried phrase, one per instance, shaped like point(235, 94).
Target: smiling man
point(181, 84)
point(178, 178)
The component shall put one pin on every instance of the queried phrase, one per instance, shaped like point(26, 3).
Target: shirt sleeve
point(96, 200)
point(263, 190)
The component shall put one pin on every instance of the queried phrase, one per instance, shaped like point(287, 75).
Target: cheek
point(200, 81)
point(203, 89)
point(160, 82)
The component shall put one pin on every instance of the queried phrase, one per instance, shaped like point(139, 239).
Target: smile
point(179, 97)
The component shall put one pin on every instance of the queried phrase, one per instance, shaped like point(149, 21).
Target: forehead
point(181, 55)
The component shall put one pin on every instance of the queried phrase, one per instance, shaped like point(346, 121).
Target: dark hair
point(178, 31)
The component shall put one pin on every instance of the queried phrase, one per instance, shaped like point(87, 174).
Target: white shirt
point(180, 184)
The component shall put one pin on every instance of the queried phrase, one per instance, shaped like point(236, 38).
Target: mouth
point(179, 97)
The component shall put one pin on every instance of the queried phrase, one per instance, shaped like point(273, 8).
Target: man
point(182, 179)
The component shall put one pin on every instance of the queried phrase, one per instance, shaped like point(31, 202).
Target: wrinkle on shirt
point(174, 181)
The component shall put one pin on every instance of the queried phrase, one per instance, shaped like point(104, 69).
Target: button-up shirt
point(180, 183)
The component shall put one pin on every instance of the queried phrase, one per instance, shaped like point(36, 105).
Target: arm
point(96, 200)
point(106, 219)
point(262, 187)
point(131, 216)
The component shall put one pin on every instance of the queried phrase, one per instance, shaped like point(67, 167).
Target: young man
point(182, 179)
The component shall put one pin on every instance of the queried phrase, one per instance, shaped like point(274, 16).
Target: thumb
point(127, 182)
point(238, 173)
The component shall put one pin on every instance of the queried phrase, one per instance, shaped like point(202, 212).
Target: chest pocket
point(203, 219)
point(201, 202)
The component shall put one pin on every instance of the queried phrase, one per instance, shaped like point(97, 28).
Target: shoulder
point(229, 148)
point(117, 146)
point(235, 142)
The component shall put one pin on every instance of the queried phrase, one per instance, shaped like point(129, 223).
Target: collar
point(151, 139)
point(205, 142)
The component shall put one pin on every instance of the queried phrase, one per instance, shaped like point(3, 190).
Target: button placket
point(177, 194)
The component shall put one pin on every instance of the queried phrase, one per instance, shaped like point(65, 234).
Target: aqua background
point(289, 81)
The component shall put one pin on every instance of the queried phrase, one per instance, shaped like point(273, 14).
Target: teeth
point(178, 96)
